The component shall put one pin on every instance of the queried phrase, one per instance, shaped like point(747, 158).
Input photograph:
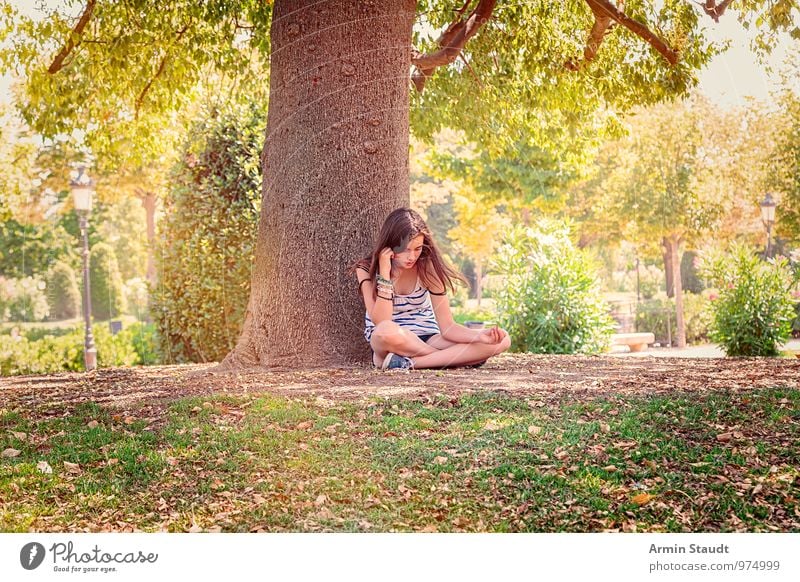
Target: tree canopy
point(517, 75)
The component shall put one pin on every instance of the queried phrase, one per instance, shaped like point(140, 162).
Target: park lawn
point(485, 461)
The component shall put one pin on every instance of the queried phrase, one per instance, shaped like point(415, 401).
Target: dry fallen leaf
point(492, 424)
point(20, 435)
point(9, 453)
point(642, 498)
point(440, 460)
point(724, 437)
point(320, 500)
point(72, 467)
point(534, 430)
point(93, 424)
point(304, 425)
point(650, 464)
point(604, 427)
point(610, 468)
point(44, 467)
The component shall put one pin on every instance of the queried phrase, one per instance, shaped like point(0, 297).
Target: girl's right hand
point(385, 258)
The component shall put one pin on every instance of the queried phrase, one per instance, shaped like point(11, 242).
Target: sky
point(736, 74)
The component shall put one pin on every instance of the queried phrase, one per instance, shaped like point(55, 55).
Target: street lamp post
point(768, 218)
point(82, 191)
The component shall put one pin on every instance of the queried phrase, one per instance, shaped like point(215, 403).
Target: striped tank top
point(413, 312)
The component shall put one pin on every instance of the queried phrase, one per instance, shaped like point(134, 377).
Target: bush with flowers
point(754, 311)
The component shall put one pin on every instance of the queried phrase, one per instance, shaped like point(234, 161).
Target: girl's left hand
point(493, 335)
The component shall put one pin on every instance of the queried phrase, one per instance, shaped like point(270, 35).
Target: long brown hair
point(398, 229)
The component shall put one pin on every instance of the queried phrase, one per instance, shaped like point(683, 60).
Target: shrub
point(137, 297)
point(754, 311)
point(550, 302)
point(38, 351)
point(144, 338)
point(63, 294)
point(690, 280)
point(108, 301)
point(653, 316)
point(208, 236)
point(51, 354)
point(28, 301)
point(6, 293)
point(651, 280)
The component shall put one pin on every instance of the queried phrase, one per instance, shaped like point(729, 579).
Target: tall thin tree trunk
point(479, 280)
point(335, 165)
point(674, 242)
point(150, 202)
point(670, 285)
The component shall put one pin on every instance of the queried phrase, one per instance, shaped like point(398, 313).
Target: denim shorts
point(424, 337)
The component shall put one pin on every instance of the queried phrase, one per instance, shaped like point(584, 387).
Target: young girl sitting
point(408, 321)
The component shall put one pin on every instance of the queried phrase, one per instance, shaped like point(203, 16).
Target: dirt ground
point(146, 391)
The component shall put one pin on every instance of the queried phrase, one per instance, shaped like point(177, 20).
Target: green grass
point(483, 462)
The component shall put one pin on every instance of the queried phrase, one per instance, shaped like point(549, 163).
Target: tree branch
point(140, 98)
point(604, 12)
point(601, 25)
point(715, 11)
point(451, 41)
point(58, 62)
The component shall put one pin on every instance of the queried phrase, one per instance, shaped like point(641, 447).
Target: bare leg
point(460, 355)
point(390, 337)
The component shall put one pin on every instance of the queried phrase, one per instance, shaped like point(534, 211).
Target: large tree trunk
point(335, 165)
point(673, 248)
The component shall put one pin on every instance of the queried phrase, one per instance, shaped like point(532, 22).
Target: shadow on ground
point(148, 390)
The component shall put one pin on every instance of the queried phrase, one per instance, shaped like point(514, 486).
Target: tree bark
point(335, 164)
point(673, 244)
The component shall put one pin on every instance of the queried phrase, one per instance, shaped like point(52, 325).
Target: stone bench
point(637, 342)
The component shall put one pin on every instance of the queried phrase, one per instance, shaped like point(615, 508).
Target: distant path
point(145, 392)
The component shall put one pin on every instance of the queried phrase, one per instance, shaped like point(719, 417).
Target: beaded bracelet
point(382, 279)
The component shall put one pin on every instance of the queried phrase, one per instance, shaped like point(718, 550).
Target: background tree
point(105, 281)
point(784, 166)
point(654, 190)
point(478, 233)
point(208, 234)
point(62, 292)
